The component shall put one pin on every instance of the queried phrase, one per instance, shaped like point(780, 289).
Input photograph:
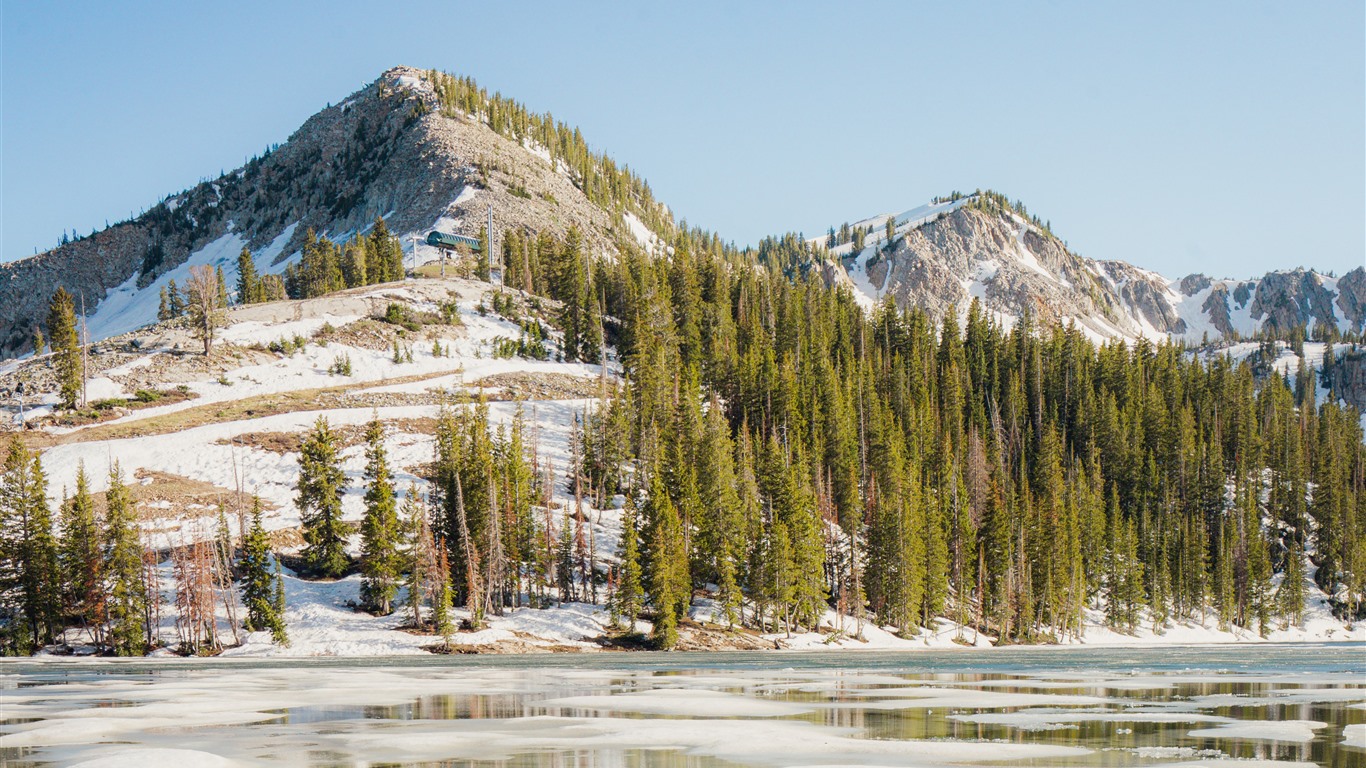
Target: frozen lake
point(1241, 706)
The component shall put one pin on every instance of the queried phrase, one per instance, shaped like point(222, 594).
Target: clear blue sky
point(1228, 138)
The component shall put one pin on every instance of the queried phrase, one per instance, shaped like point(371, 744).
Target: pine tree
point(321, 484)
point(354, 263)
point(423, 563)
point(80, 554)
point(935, 572)
point(127, 598)
point(66, 347)
point(564, 561)
point(481, 269)
point(441, 596)
point(666, 569)
point(175, 300)
point(30, 580)
point(259, 583)
point(278, 635)
point(1290, 593)
point(1224, 587)
point(222, 286)
point(719, 525)
point(629, 596)
point(379, 528)
point(248, 283)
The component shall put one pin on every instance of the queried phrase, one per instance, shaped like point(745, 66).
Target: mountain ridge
point(946, 253)
point(397, 148)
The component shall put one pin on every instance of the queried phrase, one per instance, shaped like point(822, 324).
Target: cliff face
point(385, 151)
point(87, 268)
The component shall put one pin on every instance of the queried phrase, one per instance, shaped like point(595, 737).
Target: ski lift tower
point(489, 256)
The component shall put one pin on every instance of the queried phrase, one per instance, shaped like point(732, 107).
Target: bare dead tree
point(473, 587)
point(205, 312)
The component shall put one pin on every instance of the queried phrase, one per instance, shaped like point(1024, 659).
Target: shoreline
point(475, 658)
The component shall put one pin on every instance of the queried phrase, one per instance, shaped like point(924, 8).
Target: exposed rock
point(1193, 284)
point(1352, 297)
point(1217, 310)
point(1014, 267)
point(1288, 300)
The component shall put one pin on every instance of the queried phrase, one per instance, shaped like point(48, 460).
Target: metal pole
point(85, 354)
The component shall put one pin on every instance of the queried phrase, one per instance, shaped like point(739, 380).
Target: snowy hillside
point(195, 433)
point(237, 433)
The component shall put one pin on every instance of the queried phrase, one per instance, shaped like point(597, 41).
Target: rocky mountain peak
point(393, 149)
point(944, 255)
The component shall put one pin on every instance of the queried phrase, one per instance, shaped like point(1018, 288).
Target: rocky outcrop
point(1193, 284)
point(1145, 298)
point(1216, 308)
point(1287, 300)
point(1352, 298)
point(87, 269)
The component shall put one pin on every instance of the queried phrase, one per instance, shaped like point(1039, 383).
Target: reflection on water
point(1073, 707)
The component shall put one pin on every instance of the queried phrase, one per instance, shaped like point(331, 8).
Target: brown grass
point(214, 413)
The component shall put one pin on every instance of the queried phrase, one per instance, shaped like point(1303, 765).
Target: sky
point(1222, 137)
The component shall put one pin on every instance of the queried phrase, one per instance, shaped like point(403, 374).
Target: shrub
point(450, 313)
point(341, 365)
point(397, 314)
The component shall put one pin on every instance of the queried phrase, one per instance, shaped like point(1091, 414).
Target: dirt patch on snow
point(168, 504)
point(714, 637)
point(346, 436)
point(520, 385)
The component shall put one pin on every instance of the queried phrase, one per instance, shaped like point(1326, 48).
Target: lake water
point(1240, 706)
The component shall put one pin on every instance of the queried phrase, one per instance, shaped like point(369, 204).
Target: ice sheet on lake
point(753, 713)
point(1262, 730)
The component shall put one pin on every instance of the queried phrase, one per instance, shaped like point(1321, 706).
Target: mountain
point(392, 149)
point(945, 254)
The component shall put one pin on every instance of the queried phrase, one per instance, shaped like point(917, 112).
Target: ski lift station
point(450, 242)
